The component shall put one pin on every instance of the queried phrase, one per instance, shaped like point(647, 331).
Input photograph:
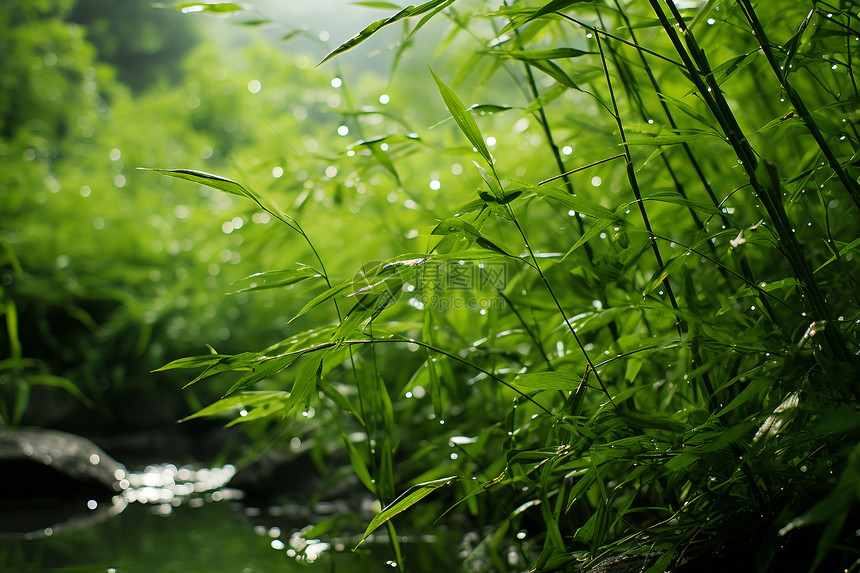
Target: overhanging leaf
point(409, 498)
point(276, 279)
point(370, 30)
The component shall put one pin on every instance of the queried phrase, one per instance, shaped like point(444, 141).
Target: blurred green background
point(107, 272)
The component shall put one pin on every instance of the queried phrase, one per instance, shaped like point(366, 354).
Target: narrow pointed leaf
point(263, 369)
point(322, 297)
point(370, 30)
point(306, 383)
point(412, 496)
point(464, 119)
point(276, 279)
point(208, 179)
point(537, 381)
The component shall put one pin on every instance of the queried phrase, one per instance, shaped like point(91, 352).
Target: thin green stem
point(851, 186)
point(590, 364)
point(768, 194)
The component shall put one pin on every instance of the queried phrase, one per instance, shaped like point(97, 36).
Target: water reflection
point(163, 518)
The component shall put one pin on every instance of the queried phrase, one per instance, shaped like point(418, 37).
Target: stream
point(66, 505)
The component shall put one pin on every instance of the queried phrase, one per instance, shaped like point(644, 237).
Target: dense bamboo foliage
point(586, 287)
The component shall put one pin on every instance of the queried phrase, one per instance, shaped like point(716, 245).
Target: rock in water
point(53, 479)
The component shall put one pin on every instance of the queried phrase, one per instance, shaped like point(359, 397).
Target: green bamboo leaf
point(728, 68)
point(208, 179)
point(426, 18)
point(677, 136)
point(548, 54)
point(276, 279)
point(365, 309)
point(409, 498)
point(12, 330)
point(538, 381)
point(306, 383)
point(241, 361)
point(383, 5)
point(385, 481)
point(685, 108)
point(704, 11)
point(263, 369)
point(576, 203)
point(60, 382)
point(17, 363)
point(194, 361)
point(259, 411)
point(245, 399)
point(216, 7)
point(358, 466)
point(322, 297)
point(370, 30)
point(589, 234)
point(339, 399)
point(547, 97)
point(554, 71)
point(527, 15)
point(464, 119)
point(488, 108)
point(753, 389)
point(454, 225)
point(844, 249)
point(227, 186)
point(668, 268)
point(656, 420)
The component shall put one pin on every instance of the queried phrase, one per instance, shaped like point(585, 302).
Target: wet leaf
point(216, 7)
point(370, 30)
point(322, 297)
point(305, 384)
point(276, 279)
point(262, 369)
point(464, 119)
point(409, 498)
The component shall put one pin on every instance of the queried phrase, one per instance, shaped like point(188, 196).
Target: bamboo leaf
point(589, 234)
point(322, 297)
point(409, 498)
point(527, 15)
point(668, 268)
point(358, 466)
point(208, 179)
point(60, 382)
point(548, 54)
point(370, 30)
point(454, 225)
point(306, 383)
point(276, 279)
point(464, 119)
point(194, 361)
point(216, 7)
point(576, 203)
point(245, 399)
point(263, 369)
point(538, 381)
